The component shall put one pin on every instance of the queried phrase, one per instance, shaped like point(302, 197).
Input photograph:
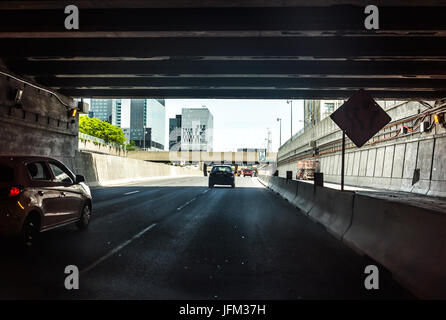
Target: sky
point(244, 123)
point(240, 123)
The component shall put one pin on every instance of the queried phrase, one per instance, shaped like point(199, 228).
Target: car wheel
point(30, 231)
point(233, 185)
point(211, 185)
point(84, 221)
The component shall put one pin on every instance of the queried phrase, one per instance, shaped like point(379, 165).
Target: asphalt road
point(178, 239)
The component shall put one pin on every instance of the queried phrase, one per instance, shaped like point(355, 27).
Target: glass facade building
point(142, 120)
point(101, 109)
point(175, 133)
point(197, 126)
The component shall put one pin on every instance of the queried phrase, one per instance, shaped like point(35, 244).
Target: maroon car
point(39, 194)
point(247, 172)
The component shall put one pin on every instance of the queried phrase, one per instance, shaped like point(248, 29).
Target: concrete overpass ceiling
point(228, 49)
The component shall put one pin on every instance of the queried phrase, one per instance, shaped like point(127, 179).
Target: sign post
point(359, 118)
point(343, 160)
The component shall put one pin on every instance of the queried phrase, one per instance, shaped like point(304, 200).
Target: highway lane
point(178, 239)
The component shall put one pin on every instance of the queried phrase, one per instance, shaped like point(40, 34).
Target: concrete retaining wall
point(389, 164)
point(100, 169)
point(39, 125)
point(407, 240)
point(90, 146)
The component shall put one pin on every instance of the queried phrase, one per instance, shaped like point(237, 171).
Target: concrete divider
point(409, 241)
point(273, 183)
point(100, 169)
point(264, 179)
point(333, 209)
point(280, 185)
point(289, 190)
point(304, 200)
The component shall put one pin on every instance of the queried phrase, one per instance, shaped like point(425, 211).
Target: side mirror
point(79, 178)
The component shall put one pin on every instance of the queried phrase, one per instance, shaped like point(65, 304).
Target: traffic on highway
point(173, 238)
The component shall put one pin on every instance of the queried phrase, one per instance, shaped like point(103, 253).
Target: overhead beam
point(241, 68)
point(248, 94)
point(94, 4)
point(335, 20)
point(240, 82)
point(329, 47)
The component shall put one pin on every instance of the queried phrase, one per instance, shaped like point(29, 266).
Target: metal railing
point(99, 140)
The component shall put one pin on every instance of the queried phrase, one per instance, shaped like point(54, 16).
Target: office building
point(116, 112)
point(147, 117)
point(156, 118)
point(317, 110)
point(175, 133)
point(197, 129)
point(101, 109)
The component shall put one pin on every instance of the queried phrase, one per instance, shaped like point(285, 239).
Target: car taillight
point(14, 191)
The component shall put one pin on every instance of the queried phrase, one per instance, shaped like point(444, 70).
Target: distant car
point(221, 175)
point(39, 194)
point(247, 172)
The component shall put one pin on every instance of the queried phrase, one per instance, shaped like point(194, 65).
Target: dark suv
point(38, 194)
point(221, 175)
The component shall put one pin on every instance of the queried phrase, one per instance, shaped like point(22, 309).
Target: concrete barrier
point(264, 179)
point(409, 241)
point(289, 190)
point(280, 186)
point(304, 200)
point(333, 209)
point(273, 183)
point(100, 169)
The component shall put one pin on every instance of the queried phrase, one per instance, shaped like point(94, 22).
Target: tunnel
point(294, 234)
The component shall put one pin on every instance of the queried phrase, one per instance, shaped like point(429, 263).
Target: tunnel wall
point(39, 125)
point(101, 169)
point(385, 165)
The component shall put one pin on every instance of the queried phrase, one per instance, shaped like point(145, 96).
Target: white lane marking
point(205, 191)
point(131, 192)
point(187, 203)
point(118, 248)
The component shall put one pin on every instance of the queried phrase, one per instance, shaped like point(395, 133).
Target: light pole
point(144, 148)
point(291, 103)
point(280, 131)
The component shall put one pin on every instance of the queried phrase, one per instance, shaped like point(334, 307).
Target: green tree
point(131, 146)
point(101, 129)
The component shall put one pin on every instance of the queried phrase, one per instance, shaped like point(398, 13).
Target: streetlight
point(144, 148)
point(291, 103)
point(280, 131)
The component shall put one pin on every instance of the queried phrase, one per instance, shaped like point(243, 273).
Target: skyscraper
point(116, 112)
point(137, 122)
point(155, 120)
point(101, 109)
point(197, 126)
point(147, 117)
point(175, 133)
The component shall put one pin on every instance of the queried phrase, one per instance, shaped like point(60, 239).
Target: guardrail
point(83, 136)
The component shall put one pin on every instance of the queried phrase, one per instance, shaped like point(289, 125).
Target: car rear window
point(221, 169)
point(6, 173)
